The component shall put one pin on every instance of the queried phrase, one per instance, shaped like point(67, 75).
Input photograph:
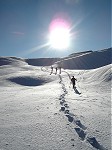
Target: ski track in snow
point(79, 128)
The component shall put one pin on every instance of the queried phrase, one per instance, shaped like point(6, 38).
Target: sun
point(59, 37)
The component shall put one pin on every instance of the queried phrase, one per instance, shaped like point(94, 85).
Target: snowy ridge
point(79, 53)
point(42, 61)
point(87, 60)
point(82, 60)
point(90, 60)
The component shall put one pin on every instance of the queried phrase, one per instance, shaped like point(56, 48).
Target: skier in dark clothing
point(56, 70)
point(73, 81)
point(60, 70)
point(51, 70)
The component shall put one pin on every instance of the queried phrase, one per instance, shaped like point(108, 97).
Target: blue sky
point(24, 26)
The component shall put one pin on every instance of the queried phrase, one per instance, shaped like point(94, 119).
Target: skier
point(73, 81)
point(51, 69)
point(56, 70)
point(60, 70)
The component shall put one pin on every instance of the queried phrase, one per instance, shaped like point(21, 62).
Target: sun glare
point(59, 37)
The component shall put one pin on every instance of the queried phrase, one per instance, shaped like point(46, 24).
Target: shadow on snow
point(76, 91)
point(27, 81)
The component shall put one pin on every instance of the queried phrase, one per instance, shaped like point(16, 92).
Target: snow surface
point(39, 111)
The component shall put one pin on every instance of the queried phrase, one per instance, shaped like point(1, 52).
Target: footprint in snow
point(95, 144)
point(66, 111)
point(66, 105)
point(80, 133)
point(62, 108)
point(61, 102)
point(70, 118)
point(78, 122)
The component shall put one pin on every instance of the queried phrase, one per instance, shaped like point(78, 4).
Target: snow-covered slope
point(42, 61)
point(90, 60)
point(39, 111)
point(11, 60)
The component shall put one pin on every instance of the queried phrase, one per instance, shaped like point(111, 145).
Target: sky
point(24, 26)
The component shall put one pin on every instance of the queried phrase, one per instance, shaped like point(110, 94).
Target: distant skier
point(73, 81)
point(56, 70)
point(59, 70)
point(51, 70)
